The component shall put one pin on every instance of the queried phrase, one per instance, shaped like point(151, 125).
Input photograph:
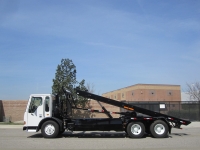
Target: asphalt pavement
point(13, 137)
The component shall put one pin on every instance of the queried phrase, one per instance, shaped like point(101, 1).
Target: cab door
point(35, 113)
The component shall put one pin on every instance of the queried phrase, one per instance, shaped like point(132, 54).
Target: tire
point(159, 129)
point(135, 129)
point(50, 129)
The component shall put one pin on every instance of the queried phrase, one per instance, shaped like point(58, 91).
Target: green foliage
point(83, 102)
point(65, 76)
point(192, 115)
point(194, 106)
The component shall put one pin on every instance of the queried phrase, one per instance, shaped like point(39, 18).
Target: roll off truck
point(53, 116)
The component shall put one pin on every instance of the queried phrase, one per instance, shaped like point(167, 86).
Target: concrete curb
point(11, 126)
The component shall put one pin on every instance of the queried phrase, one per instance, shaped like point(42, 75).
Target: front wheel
point(50, 129)
point(135, 129)
point(159, 129)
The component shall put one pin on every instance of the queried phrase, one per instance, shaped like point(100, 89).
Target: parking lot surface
point(15, 138)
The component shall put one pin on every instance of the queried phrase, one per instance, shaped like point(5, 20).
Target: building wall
point(14, 109)
point(1, 111)
point(146, 92)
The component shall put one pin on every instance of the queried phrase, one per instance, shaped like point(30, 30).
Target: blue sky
point(113, 43)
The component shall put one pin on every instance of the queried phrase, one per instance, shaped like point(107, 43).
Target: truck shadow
point(101, 135)
point(86, 135)
point(177, 134)
point(95, 134)
point(89, 135)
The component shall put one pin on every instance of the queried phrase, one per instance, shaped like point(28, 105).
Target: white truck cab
point(39, 107)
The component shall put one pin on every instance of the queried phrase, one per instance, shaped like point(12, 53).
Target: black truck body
point(121, 123)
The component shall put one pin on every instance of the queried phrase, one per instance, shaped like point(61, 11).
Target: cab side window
point(35, 103)
point(47, 104)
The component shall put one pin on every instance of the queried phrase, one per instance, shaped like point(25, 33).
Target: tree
point(194, 91)
point(90, 87)
point(85, 114)
point(81, 101)
point(65, 76)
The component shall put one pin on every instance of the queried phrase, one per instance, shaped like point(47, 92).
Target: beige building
point(139, 93)
point(146, 92)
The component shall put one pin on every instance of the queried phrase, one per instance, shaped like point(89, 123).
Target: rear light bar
point(170, 118)
point(148, 118)
point(183, 122)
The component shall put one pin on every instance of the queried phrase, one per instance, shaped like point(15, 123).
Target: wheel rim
point(159, 129)
point(136, 129)
point(49, 129)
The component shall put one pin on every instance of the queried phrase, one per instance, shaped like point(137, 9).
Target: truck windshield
point(35, 102)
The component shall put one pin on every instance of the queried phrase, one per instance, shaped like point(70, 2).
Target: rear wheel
point(50, 129)
point(159, 129)
point(135, 129)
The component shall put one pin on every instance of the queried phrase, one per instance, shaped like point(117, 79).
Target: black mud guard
point(169, 126)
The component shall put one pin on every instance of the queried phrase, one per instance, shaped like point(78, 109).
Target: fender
point(58, 121)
